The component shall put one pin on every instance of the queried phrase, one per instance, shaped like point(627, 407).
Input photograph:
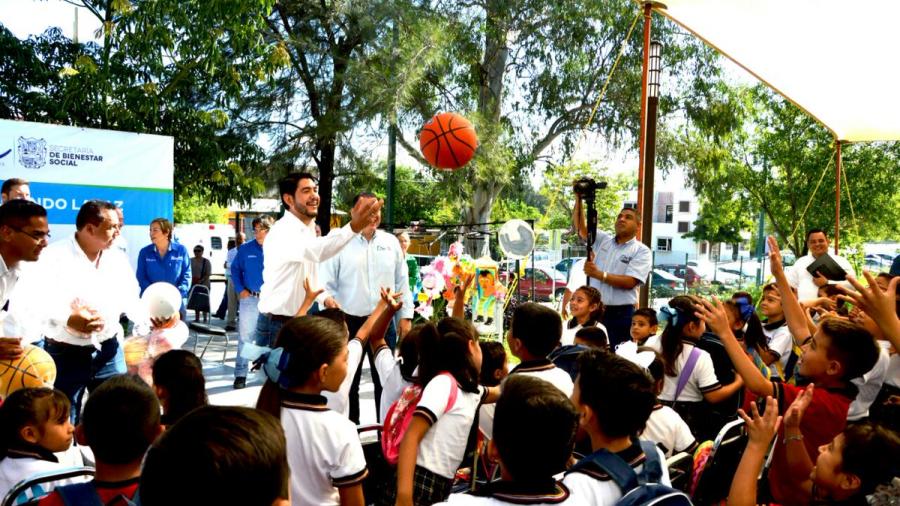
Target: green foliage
point(195, 209)
point(557, 189)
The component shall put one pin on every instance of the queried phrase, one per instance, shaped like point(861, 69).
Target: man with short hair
point(806, 284)
point(247, 276)
point(80, 286)
point(352, 281)
point(15, 188)
point(23, 235)
point(617, 266)
point(292, 251)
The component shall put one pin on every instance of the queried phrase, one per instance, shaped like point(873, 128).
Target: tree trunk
point(325, 164)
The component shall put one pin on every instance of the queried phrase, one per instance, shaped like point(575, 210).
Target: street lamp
point(654, 69)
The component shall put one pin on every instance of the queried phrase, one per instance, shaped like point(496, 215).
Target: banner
point(67, 166)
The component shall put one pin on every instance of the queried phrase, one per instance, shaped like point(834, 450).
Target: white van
point(212, 236)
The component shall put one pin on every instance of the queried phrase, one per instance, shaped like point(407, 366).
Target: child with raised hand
point(120, 421)
point(836, 353)
point(644, 325)
point(586, 308)
point(435, 440)
point(782, 350)
point(760, 431)
point(691, 384)
point(219, 455)
point(527, 470)
point(754, 340)
point(34, 424)
point(310, 356)
point(179, 384)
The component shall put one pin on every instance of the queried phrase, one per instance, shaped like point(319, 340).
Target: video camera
point(586, 189)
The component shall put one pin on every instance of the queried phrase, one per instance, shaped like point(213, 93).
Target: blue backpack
point(637, 489)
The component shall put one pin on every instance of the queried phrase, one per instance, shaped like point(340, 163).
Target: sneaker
point(230, 328)
point(240, 382)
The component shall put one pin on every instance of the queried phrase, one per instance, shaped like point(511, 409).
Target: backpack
point(400, 414)
point(84, 494)
point(637, 489)
point(566, 358)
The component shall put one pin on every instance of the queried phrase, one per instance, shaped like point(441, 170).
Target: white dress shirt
point(802, 280)
point(631, 258)
point(63, 275)
point(8, 279)
point(291, 253)
point(355, 276)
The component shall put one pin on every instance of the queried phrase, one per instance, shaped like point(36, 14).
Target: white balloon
point(162, 300)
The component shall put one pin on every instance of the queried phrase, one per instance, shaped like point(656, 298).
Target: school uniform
point(541, 369)
point(869, 385)
point(572, 328)
point(112, 493)
point(666, 428)
point(780, 342)
point(339, 401)
point(442, 449)
point(393, 383)
point(507, 492)
point(324, 452)
point(592, 485)
point(691, 404)
point(26, 461)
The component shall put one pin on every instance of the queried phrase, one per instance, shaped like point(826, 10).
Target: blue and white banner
point(69, 165)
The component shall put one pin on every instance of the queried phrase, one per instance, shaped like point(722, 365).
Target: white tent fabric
point(836, 59)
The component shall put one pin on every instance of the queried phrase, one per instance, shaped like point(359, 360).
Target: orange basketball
point(448, 141)
point(34, 369)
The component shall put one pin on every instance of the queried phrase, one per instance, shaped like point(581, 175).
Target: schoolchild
point(586, 308)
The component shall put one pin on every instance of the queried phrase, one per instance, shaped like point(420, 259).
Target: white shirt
point(560, 496)
point(781, 342)
point(665, 427)
point(444, 445)
point(356, 275)
point(63, 275)
point(869, 384)
point(540, 369)
point(291, 253)
point(392, 382)
point(323, 449)
point(577, 277)
point(568, 334)
point(339, 401)
point(703, 377)
point(14, 470)
point(802, 280)
point(8, 279)
point(632, 258)
point(605, 492)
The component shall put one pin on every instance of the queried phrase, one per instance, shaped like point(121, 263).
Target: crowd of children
point(559, 419)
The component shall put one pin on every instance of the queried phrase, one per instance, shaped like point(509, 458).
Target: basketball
point(135, 349)
point(34, 369)
point(448, 141)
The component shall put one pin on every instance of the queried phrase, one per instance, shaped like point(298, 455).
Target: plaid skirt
point(428, 488)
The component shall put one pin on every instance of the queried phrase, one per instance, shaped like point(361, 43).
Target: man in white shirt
point(23, 235)
point(292, 251)
point(806, 284)
point(78, 289)
point(352, 280)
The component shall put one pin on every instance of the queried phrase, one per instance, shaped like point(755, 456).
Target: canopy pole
point(837, 197)
point(642, 139)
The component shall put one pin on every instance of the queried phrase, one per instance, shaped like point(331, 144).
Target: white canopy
point(835, 59)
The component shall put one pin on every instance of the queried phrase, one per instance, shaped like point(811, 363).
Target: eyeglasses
point(37, 236)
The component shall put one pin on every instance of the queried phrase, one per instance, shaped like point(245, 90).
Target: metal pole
point(760, 245)
point(642, 136)
point(837, 198)
point(649, 160)
point(391, 157)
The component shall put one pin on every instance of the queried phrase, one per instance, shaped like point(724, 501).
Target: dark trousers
point(617, 320)
point(354, 323)
point(84, 367)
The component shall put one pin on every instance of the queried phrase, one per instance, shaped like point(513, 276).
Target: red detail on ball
point(448, 141)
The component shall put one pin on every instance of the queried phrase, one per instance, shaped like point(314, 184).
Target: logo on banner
point(32, 152)
point(3, 154)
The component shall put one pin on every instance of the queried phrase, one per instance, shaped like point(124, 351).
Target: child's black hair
point(619, 392)
point(657, 367)
point(180, 374)
point(594, 337)
point(309, 342)
point(649, 313)
point(851, 345)
point(593, 296)
point(549, 413)
point(871, 452)
point(671, 339)
point(218, 455)
point(334, 314)
point(492, 358)
point(409, 353)
point(121, 419)
point(754, 338)
point(29, 406)
point(445, 348)
point(538, 327)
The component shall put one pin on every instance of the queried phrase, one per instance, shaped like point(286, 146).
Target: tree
point(168, 67)
point(557, 189)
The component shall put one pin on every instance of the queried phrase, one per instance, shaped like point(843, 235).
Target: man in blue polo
point(617, 266)
point(247, 277)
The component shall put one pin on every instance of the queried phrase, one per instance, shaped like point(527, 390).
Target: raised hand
point(391, 300)
point(794, 414)
point(762, 429)
point(776, 265)
point(364, 213)
point(714, 314)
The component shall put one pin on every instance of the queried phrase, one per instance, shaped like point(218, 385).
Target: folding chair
point(714, 480)
point(680, 466)
point(198, 329)
point(30, 490)
point(198, 300)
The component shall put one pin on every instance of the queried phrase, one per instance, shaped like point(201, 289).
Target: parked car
point(548, 283)
point(665, 284)
point(686, 273)
point(565, 265)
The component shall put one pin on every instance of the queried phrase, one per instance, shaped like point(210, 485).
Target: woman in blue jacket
point(164, 260)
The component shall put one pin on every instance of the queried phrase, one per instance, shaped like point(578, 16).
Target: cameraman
point(616, 266)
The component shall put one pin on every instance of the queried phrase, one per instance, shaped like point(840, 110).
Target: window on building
point(629, 205)
point(684, 206)
point(683, 227)
point(664, 244)
point(668, 214)
point(703, 247)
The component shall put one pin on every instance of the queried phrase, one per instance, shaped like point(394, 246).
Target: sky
point(32, 17)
